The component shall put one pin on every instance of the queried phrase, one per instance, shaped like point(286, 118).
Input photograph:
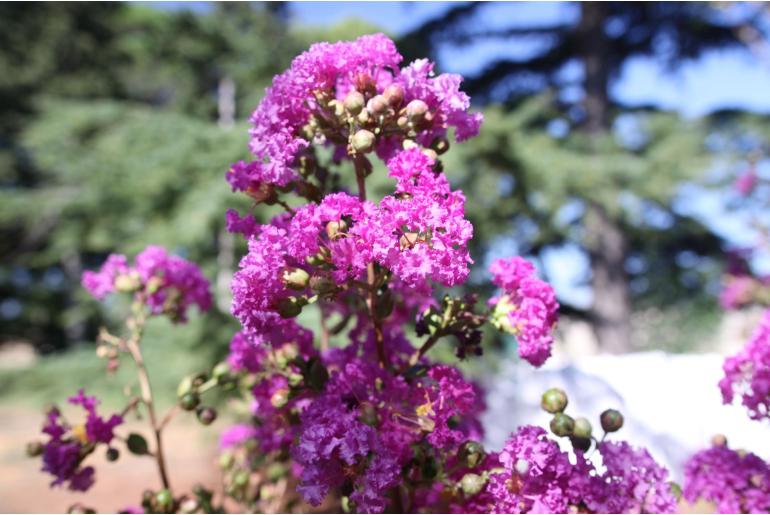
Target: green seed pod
point(472, 453)
point(241, 478)
point(226, 461)
point(354, 102)
point(189, 401)
point(612, 420)
point(583, 428)
point(562, 425)
point(471, 484)
point(295, 278)
point(363, 141)
point(554, 400)
point(289, 307)
point(164, 499)
point(34, 449)
point(112, 454)
point(206, 415)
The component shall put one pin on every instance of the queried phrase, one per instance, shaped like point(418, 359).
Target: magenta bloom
point(527, 308)
point(168, 284)
point(746, 182)
point(737, 482)
point(747, 374)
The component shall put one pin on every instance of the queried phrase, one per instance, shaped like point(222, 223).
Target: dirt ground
point(190, 450)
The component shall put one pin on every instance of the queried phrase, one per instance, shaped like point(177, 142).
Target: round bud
point(337, 107)
point(394, 95)
point(471, 484)
point(241, 478)
point(354, 102)
point(430, 153)
point(189, 506)
point(112, 454)
point(554, 400)
point(295, 278)
point(440, 145)
point(289, 307)
point(363, 117)
point(416, 110)
point(164, 499)
point(719, 441)
point(377, 105)
point(280, 398)
point(226, 460)
point(322, 285)
point(402, 122)
point(612, 420)
point(562, 425)
point(472, 453)
point(34, 449)
point(80, 508)
point(127, 283)
point(189, 401)
point(363, 141)
point(336, 229)
point(365, 83)
point(582, 444)
point(583, 428)
point(206, 415)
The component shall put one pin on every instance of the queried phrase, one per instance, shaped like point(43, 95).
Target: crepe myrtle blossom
point(67, 446)
point(347, 93)
point(735, 481)
point(527, 307)
point(167, 284)
point(747, 374)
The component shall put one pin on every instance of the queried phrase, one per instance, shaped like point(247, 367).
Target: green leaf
point(137, 444)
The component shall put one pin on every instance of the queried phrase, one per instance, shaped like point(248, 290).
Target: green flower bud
point(164, 499)
point(206, 415)
point(612, 420)
point(241, 478)
point(34, 449)
point(112, 454)
point(582, 428)
point(377, 105)
point(562, 425)
point(128, 283)
point(280, 398)
point(337, 107)
point(354, 102)
point(336, 229)
point(295, 278)
point(289, 307)
point(222, 370)
point(471, 484)
point(226, 461)
point(363, 141)
point(472, 453)
point(189, 506)
point(432, 155)
point(554, 400)
point(189, 401)
point(402, 122)
point(416, 110)
point(394, 95)
point(276, 471)
point(719, 441)
point(440, 145)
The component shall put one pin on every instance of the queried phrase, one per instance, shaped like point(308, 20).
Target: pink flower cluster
point(528, 305)
point(747, 374)
point(168, 284)
point(329, 71)
point(735, 481)
point(68, 446)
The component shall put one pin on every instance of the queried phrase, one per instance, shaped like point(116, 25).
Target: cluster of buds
point(256, 481)
point(578, 430)
point(455, 316)
point(193, 386)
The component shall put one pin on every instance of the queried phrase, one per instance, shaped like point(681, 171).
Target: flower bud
point(112, 454)
point(562, 425)
point(416, 110)
point(164, 499)
point(430, 153)
point(402, 122)
point(471, 453)
point(34, 449)
point(363, 141)
point(719, 441)
point(128, 283)
point(338, 108)
point(409, 144)
point(612, 420)
point(365, 84)
point(189, 506)
point(206, 415)
point(471, 484)
point(554, 400)
point(354, 102)
point(336, 229)
point(440, 145)
point(226, 461)
point(295, 278)
point(241, 478)
point(394, 95)
point(582, 444)
point(189, 401)
point(582, 428)
point(295, 379)
point(280, 398)
point(289, 307)
point(377, 105)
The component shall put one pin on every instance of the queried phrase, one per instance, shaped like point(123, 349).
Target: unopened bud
point(34, 449)
point(164, 499)
point(409, 144)
point(377, 105)
point(365, 84)
point(337, 107)
point(472, 453)
point(127, 283)
point(430, 153)
point(363, 141)
point(554, 400)
point(581, 444)
point(336, 229)
point(471, 484)
point(189, 401)
point(416, 110)
point(612, 420)
point(241, 478)
point(562, 425)
point(394, 95)
point(719, 441)
point(295, 278)
point(280, 398)
point(354, 102)
point(363, 117)
point(189, 506)
point(440, 145)
point(402, 122)
point(206, 415)
point(112, 454)
point(583, 428)
point(226, 461)
point(289, 307)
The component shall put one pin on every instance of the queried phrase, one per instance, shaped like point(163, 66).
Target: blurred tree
point(579, 57)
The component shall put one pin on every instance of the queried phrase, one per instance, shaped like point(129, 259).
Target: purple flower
point(747, 374)
point(97, 428)
point(527, 308)
point(101, 283)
